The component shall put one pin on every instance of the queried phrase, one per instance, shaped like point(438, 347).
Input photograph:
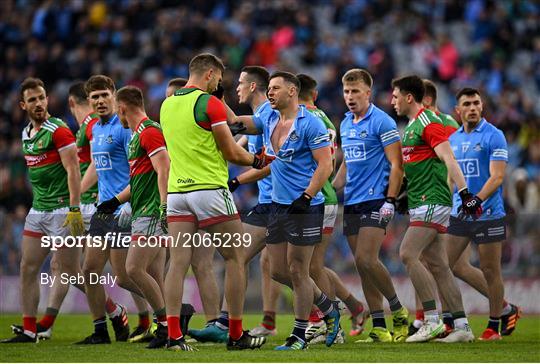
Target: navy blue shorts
point(362, 214)
point(480, 232)
point(297, 229)
point(258, 215)
point(101, 225)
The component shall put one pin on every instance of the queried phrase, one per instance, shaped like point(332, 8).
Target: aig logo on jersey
point(102, 160)
point(470, 167)
point(355, 152)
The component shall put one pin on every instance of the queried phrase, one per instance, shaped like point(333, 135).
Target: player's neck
point(82, 112)
point(469, 126)
point(309, 103)
point(414, 110)
point(360, 114)
point(290, 111)
point(196, 82)
point(135, 117)
point(258, 99)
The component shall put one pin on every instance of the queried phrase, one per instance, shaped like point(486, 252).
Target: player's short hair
point(28, 84)
point(467, 91)
point(99, 82)
point(288, 77)
point(177, 83)
point(130, 95)
point(259, 75)
point(357, 74)
point(410, 85)
point(204, 62)
point(307, 85)
point(77, 91)
point(430, 90)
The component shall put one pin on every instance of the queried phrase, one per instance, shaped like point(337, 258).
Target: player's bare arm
point(232, 152)
point(323, 157)
point(497, 169)
point(90, 176)
point(161, 163)
point(395, 158)
point(339, 180)
point(253, 175)
point(247, 120)
point(70, 161)
point(444, 152)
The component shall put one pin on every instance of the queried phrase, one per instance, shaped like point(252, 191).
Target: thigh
point(231, 231)
point(68, 258)
point(300, 254)
point(140, 255)
point(32, 253)
point(257, 235)
point(416, 240)
point(490, 254)
point(277, 257)
point(455, 246)
point(369, 241)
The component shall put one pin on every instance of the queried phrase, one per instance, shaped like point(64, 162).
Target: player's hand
point(301, 204)
point(261, 159)
point(124, 217)
point(237, 128)
point(233, 184)
point(219, 91)
point(74, 221)
point(387, 210)
point(108, 207)
point(471, 205)
point(163, 217)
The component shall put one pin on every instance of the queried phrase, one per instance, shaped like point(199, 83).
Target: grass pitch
point(522, 346)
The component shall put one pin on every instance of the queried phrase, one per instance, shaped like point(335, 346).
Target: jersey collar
point(140, 122)
point(112, 120)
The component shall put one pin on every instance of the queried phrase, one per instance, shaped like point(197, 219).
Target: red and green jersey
point(328, 191)
point(47, 174)
point(146, 140)
point(84, 135)
point(449, 123)
point(426, 173)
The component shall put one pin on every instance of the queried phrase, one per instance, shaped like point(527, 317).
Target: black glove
point(219, 91)
point(301, 204)
point(108, 207)
point(233, 184)
point(237, 128)
point(402, 200)
point(261, 159)
point(471, 205)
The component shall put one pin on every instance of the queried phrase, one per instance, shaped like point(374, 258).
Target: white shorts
point(46, 223)
point(330, 214)
point(432, 216)
point(146, 226)
point(204, 207)
point(87, 210)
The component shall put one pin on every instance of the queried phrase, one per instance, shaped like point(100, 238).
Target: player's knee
point(365, 263)
point(490, 271)
point(133, 270)
point(315, 270)
point(406, 257)
point(460, 270)
point(279, 276)
point(28, 268)
point(298, 271)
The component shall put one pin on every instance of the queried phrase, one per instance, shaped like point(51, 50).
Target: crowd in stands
point(491, 45)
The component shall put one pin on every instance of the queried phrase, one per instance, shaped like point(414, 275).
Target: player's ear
point(22, 104)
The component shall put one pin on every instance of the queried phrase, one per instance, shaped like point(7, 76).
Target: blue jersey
point(474, 151)
point(363, 146)
point(110, 154)
point(255, 142)
point(294, 165)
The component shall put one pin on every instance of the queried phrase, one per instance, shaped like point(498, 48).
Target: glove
point(233, 184)
point(74, 221)
point(124, 217)
point(261, 159)
point(387, 210)
point(471, 205)
point(402, 201)
point(163, 217)
point(237, 128)
point(219, 91)
point(301, 204)
point(108, 207)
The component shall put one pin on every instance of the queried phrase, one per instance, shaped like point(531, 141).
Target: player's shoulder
point(90, 119)
point(148, 126)
point(382, 116)
point(493, 131)
point(52, 124)
point(428, 116)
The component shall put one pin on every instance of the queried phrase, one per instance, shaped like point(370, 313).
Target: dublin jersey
point(294, 165)
point(255, 142)
point(110, 153)
point(363, 146)
point(45, 170)
point(474, 151)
